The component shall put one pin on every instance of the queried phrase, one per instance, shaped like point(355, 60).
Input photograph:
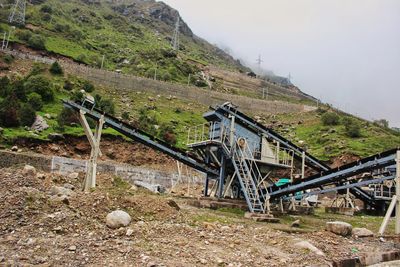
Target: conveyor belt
point(144, 138)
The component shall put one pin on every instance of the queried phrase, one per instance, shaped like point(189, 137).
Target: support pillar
point(94, 140)
point(207, 181)
point(221, 177)
point(395, 204)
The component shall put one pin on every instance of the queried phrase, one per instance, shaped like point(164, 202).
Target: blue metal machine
point(241, 156)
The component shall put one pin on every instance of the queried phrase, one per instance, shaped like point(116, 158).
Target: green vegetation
point(330, 118)
point(86, 32)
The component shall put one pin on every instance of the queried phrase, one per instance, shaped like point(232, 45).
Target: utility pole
point(265, 93)
point(17, 14)
point(259, 61)
point(188, 80)
point(3, 46)
point(175, 37)
point(9, 35)
point(155, 72)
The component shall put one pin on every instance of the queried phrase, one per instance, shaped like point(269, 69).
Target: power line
point(17, 15)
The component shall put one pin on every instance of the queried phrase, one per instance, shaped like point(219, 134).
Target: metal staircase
point(247, 173)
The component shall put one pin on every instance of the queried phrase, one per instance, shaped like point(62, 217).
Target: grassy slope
point(326, 142)
point(90, 31)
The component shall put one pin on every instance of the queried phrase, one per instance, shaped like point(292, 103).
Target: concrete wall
point(55, 164)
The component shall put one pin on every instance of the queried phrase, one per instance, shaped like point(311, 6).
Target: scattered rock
point(14, 148)
point(41, 176)
point(69, 186)
point(29, 170)
point(307, 245)
point(55, 137)
point(61, 191)
point(47, 116)
point(362, 232)
point(40, 124)
point(173, 204)
point(72, 248)
point(296, 223)
point(339, 228)
point(129, 232)
point(60, 199)
point(73, 175)
point(156, 188)
point(117, 219)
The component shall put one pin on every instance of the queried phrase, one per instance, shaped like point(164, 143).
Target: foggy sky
point(345, 52)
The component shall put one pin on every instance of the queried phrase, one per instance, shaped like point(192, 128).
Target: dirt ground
point(36, 229)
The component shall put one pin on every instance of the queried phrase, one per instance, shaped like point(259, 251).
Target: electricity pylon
point(17, 15)
point(175, 37)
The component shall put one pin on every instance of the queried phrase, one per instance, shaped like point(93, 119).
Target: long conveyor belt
point(143, 137)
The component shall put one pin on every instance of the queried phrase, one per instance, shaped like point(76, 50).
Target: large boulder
point(29, 170)
point(339, 228)
point(307, 245)
point(362, 232)
point(61, 191)
point(117, 219)
point(40, 124)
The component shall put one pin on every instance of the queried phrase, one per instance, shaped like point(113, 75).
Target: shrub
point(46, 17)
point(68, 85)
point(77, 96)
point(41, 85)
point(88, 86)
point(4, 86)
point(167, 134)
point(81, 58)
point(37, 68)
point(330, 118)
point(353, 128)
point(107, 106)
point(9, 109)
point(8, 59)
point(125, 115)
point(35, 101)
point(56, 69)
point(46, 9)
point(23, 35)
point(37, 42)
point(27, 115)
point(66, 117)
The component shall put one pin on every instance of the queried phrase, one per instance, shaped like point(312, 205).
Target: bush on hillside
point(352, 128)
point(330, 118)
point(68, 85)
point(8, 58)
point(4, 86)
point(35, 101)
point(23, 35)
point(27, 115)
point(56, 69)
point(37, 68)
point(46, 9)
point(125, 115)
point(37, 42)
point(107, 106)
point(9, 109)
point(66, 117)
point(88, 86)
point(167, 134)
point(41, 85)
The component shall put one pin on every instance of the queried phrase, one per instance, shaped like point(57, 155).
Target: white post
point(102, 62)
point(3, 46)
point(395, 202)
point(94, 140)
point(303, 164)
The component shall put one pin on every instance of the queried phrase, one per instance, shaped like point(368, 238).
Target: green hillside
point(134, 38)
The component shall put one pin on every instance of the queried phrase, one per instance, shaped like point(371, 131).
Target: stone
point(14, 148)
point(173, 204)
point(55, 137)
point(362, 232)
point(73, 175)
point(69, 186)
point(29, 170)
point(60, 199)
point(129, 232)
point(72, 248)
point(296, 223)
point(307, 245)
point(40, 124)
point(47, 116)
point(41, 176)
point(117, 219)
point(61, 191)
point(339, 228)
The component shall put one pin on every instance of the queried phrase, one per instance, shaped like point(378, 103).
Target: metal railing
point(210, 131)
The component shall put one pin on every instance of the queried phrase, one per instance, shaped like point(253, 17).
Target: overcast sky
point(345, 52)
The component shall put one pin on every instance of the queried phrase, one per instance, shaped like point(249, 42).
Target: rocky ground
point(47, 220)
